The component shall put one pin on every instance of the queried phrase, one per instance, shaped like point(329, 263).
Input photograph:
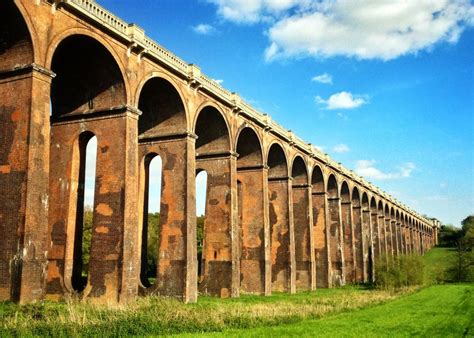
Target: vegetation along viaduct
point(280, 215)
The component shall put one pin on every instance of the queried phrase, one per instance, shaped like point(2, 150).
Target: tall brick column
point(398, 226)
point(367, 243)
point(221, 262)
point(177, 255)
point(255, 264)
point(347, 226)
point(282, 247)
point(383, 236)
point(114, 267)
point(388, 234)
point(376, 233)
point(359, 247)
point(394, 230)
point(24, 172)
point(302, 214)
point(321, 239)
point(336, 244)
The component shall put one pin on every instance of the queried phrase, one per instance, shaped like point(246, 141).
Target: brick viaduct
point(280, 215)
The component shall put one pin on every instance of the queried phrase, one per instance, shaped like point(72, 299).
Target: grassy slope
point(437, 262)
point(432, 311)
point(436, 311)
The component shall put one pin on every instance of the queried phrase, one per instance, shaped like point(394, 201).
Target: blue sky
point(386, 88)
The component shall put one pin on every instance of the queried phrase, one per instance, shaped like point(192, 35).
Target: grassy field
point(437, 264)
point(442, 310)
point(154, 316)
point(436, 311)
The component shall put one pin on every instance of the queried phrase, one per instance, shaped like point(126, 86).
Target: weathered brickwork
point(280, 215)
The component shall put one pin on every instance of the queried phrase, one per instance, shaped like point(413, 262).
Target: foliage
point(462, 240)
point(448, 235)
point(200, 232)
point(399, 271)
point(86, 239)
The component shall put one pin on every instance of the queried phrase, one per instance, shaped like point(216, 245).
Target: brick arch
point(356, 198)
point(332, 186)
point(277, 160)
point(163, 109)
point(345, 192)
point(365, 200)
point(317, 179)
point(83, 85)
point(373, 204)
point(380, 207)
point(61, 36)
point(299, 171)
point(172, 81)
point(249, 148)
point(16, 32)
point(218, 138)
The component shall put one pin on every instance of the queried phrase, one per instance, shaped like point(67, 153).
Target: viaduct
point(280, 215)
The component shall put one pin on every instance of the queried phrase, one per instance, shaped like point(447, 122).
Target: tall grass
point(154, 315)
point(399, 271)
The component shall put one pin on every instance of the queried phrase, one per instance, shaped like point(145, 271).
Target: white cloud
point(203, 29)
point(219, 81)
point(367, 169)
point(369, 29)
point(341, 148)
point(342, 100)
point(362, 29)
point(253, 11)
point(323, 78)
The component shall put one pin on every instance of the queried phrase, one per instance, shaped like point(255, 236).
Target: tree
point(464, 271)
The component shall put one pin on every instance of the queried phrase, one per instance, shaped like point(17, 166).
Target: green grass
point(153, 315)
point(436, 311)
point(437, 263)
point(439, 310)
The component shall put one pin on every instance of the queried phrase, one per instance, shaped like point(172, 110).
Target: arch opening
point(212, 132)
point(332, 187)
point(365, 200)
point(163, 111)
point(201, 195)
point(84, 210)
point(345, 193)
point(88, 79)
point(151, 219)
point(16, 47)
point(355, 197)
point(277, 162)
point(299, 172)
point(249, 149)
point(317, 180)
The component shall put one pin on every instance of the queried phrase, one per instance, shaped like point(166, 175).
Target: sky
point(384, 87)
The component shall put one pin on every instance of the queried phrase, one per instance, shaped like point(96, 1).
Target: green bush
point(398, 272)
